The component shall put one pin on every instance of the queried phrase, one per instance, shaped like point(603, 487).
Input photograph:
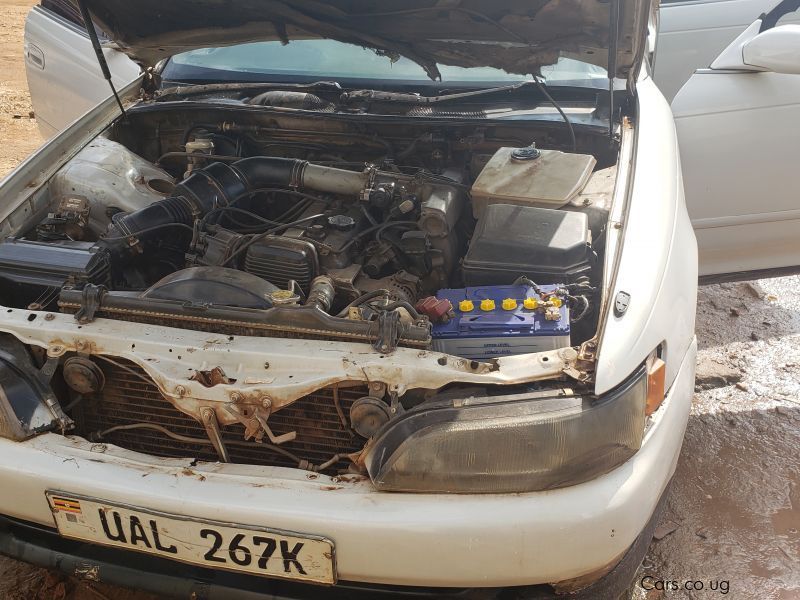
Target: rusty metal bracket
point(254, 420)
point(262, 416)
point(214, 434)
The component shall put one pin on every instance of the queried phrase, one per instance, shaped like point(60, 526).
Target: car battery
point(502, 320)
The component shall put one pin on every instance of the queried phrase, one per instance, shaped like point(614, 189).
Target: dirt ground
point(18, 133)
point(732, 526)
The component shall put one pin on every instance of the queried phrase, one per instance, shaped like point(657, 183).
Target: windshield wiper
point(406, 98)
point(180, 91)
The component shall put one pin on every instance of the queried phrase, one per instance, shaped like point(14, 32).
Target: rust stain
point(209, 379)
point(355, 478)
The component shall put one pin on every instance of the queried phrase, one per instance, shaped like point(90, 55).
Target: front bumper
point(465, 541)
point(43, 547)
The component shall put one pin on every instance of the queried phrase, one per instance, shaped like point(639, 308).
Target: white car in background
point(356, 311)
point(692, 34)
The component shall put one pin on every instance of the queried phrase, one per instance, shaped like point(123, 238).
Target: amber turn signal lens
point(656, 374)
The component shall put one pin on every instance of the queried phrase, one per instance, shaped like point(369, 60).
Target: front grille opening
point(130, 397)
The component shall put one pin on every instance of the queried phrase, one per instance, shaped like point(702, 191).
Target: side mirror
point(776, 50)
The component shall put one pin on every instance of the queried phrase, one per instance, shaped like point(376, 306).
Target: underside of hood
point(517, 36)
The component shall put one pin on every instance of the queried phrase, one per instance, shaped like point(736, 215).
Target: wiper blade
point(405, 98)
point(180, 91)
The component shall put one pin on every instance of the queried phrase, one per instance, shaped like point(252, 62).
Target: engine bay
point(345, 237)
point(473, 242)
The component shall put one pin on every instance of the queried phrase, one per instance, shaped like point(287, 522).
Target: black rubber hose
point(263, 171)
point(199, 194)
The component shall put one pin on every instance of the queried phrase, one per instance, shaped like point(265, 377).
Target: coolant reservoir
point(530, 177)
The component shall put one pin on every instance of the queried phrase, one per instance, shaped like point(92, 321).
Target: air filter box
point(547, 246)
point(495, 321)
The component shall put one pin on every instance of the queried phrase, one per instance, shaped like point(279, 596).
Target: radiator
point(130, 396)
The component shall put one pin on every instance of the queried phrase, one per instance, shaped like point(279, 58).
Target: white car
point(361, 308)
point(693, 33)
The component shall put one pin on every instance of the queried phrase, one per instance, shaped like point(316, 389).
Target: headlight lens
point(519, 443)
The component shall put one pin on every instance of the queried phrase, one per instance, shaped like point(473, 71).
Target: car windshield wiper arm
point(179, 91)
point(406, 98)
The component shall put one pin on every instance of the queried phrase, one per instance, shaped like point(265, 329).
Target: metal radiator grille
point(130, 396)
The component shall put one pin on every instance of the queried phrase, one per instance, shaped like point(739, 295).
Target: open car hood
point(518, 36)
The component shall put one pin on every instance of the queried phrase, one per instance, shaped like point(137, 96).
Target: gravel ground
point(733, 519)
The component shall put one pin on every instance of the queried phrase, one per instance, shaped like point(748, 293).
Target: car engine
point(280, 246)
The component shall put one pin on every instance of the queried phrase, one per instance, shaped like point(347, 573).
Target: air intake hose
point(218, 185)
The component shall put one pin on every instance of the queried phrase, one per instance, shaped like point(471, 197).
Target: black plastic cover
point(280, 260)
point(548, 246)
point(215, 286)
point(31, 272)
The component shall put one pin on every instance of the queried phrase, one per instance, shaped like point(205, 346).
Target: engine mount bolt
point(266, 402)
point(49, 317)
point(180, 391)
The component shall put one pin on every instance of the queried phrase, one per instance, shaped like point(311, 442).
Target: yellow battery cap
point(555, 301)
point(466, 306)
point(531, 303)
point(487, 305)
point(509, 304)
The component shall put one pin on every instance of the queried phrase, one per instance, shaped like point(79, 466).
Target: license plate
point(243, 548)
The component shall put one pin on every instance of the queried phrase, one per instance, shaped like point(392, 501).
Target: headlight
point(519, 443)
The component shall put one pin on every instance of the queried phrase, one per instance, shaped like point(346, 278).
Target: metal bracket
point(214, 434)
point(256, 425)
point(388, 331)
point(91, 301)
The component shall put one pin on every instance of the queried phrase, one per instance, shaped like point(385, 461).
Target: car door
point(738, 125)
point(692, 33)
point(64, 77)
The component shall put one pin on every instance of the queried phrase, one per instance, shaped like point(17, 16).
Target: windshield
point(328, 59)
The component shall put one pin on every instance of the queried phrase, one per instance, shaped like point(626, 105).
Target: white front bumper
point(401, 539)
